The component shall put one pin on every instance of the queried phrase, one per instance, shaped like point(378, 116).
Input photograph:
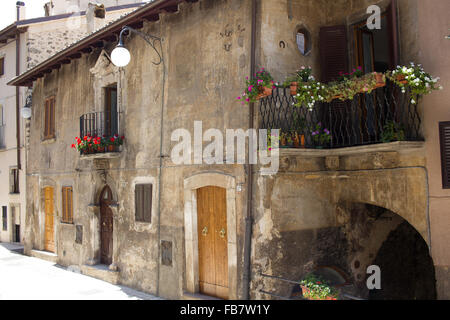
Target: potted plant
point(392, 131)
point(258, 87)
point(303, 75)
point(414, 78)
point(321, 136)
point(316, 288)
point(309, 93)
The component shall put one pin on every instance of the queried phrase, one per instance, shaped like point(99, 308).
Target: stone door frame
point(191, 185)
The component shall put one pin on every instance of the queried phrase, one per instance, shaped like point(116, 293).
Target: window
point(2, 66)
point(303, 39)
point(49, 125)
point(143, 201)
point(5, 218)
point(14, 181)
point(444, 135)
point(111, 117)
point(67, 205)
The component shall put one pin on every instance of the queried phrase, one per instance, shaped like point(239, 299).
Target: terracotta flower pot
point(302, 141)
point(100, 149)
point(264, 92)
point(111, 148)
point(401, 79)
point(305, 291)
point(379, 79)
point(296, 140)
point(294, 88)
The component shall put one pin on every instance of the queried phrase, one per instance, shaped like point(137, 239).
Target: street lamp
point(121, 57)
point(26, 110)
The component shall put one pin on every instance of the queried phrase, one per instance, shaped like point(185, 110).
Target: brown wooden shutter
point(393, 34)
point(444, 135)
point(67, 205)
point(333, 52)
point(143, 202)
point(52, 117)
point(46, 117)
point(2, 66)
point(49, 126)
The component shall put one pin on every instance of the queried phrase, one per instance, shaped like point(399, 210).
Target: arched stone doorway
point(196, 189)
point(406, 265)
point(378, 236)
point(106, 226)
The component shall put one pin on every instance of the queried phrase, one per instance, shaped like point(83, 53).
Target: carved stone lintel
point(332, 162)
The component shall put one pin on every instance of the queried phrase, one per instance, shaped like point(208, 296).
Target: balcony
point(105, 126)
point(2, 137)
point(384, 115)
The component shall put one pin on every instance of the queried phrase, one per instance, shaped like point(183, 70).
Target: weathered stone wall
point(203, 62)
point(313, 213)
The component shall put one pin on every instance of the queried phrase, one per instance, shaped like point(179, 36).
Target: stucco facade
point(337, 208)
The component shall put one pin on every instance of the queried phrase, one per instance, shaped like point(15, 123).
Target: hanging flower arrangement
point(414, 78)
point(258, 87)
point(95, 144)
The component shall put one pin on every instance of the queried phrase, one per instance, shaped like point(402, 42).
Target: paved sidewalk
point(28, 278)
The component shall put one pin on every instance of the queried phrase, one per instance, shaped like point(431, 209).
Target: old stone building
point(37, 39)
point(131, 215)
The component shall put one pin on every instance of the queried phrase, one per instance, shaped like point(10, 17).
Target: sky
point(34, 9)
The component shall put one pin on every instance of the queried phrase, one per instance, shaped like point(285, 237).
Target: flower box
point(306, 291)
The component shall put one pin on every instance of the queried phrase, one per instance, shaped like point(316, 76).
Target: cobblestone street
point(23, 277)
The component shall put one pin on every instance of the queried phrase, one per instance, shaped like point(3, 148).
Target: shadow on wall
point(407, 270)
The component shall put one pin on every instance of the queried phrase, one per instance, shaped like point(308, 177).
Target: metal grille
point(360, 121)
point(99, 124)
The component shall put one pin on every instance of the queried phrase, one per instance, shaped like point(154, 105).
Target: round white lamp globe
point(120, 56)
point(26, 113)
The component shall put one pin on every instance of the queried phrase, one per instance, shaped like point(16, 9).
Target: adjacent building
point(131, 215)
point(24, 44)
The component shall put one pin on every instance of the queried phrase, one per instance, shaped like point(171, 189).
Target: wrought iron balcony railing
point(100, 124)
point(386, 114)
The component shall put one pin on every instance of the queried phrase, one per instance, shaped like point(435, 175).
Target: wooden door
point(49, 238)
point(106, 227)
point(212, 241)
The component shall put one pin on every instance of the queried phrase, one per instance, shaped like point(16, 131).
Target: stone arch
point(378, 236)
point(191, 184)
point(101, 182)
point(402, 191)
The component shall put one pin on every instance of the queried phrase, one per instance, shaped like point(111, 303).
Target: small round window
point(303, 39)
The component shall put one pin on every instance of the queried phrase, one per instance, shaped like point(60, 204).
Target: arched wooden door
point(212, 241)
point(49, 236)
point(106, 226)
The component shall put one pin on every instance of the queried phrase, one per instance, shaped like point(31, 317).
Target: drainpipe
point(250, 167)
point(19, 165)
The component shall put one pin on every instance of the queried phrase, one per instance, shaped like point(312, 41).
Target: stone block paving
point(28, 278)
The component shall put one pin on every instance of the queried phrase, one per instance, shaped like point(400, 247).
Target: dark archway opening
point(407, 269)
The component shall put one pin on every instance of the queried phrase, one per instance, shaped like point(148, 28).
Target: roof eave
point(147, 12)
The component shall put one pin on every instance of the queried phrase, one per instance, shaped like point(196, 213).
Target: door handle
point(205, 231)
point(222, 233)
